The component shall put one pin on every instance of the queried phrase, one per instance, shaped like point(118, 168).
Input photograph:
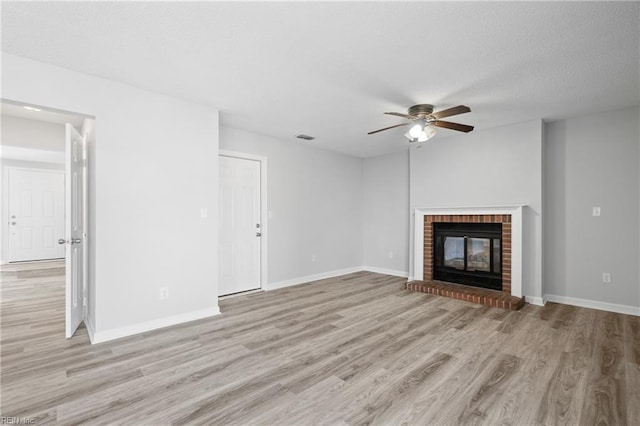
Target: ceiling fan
point(425, 121)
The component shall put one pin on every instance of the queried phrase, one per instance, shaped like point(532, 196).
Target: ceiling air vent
point(305, 137)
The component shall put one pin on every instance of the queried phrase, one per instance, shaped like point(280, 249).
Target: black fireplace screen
point(468, 253)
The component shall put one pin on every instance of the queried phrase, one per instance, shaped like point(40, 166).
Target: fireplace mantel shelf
point(500, 209)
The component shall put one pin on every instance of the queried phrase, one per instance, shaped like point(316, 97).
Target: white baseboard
point(309, 278)
point(385, 271)
point(117, 333)
point(90, 330)
point(594, 304)
point(534, 300)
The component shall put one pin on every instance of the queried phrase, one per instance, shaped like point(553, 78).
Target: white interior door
point(75, 235)
point(239, 226)
point(36, 214)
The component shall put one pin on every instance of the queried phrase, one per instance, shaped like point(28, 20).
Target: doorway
point(242, 230)
point(44, 193)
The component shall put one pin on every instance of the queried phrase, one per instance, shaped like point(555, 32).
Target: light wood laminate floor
point(356, 349)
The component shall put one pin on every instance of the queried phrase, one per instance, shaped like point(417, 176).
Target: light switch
point(596, 211)
point(204, 213)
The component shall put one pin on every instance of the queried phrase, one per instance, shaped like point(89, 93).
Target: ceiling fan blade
point(399, 114)
point(460, 109)
point(453, 126)
point(387, 128)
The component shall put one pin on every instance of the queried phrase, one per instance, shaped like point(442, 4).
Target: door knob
point(258, 234)
point(13, 223)
point(62, 241)
point(76, 240)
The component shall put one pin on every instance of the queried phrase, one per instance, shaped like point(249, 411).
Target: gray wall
point(386, 213)
point(593, 161)
point(314, 198)
point(492, 167)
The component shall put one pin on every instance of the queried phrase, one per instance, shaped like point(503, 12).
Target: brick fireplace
point(510, 220)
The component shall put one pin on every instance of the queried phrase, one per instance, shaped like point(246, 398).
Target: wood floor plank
point(348, 350)
point(535, 373)
point(563, 400)
point(294, 408)
point(632, 339)
point(605, 401)
point(632, 388)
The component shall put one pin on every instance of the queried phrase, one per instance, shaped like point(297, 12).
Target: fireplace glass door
point(454, 252)
point(479, 254)
point(468, 254)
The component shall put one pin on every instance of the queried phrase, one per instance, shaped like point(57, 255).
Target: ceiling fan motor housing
point(421, 110)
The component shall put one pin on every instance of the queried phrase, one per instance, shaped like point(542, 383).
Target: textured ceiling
point(330, 69)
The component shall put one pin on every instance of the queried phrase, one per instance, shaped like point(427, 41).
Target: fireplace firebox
point(468, 253)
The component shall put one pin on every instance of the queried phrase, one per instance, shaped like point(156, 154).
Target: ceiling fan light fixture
point(424, 134)
point(417, 129)
point(427, 133)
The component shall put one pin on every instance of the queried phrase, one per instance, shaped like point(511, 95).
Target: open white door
point(75, 236)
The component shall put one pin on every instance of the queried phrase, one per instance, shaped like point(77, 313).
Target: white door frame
point(263, 207)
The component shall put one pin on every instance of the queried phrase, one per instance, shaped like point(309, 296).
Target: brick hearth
point(477, 295)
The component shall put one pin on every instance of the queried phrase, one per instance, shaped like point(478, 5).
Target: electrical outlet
point(595, 211)
point(164, 293)
point(313, 257)
point(606, 277)
point(390, 255)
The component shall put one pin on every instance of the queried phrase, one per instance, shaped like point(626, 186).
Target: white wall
point(386, 213)
point(31, 140)
point(33, 134)
point(314, 198)
point(498, 166)
point(593, 161)
point(152, 167)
